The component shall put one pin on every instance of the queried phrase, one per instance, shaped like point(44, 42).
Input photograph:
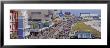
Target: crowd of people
point(59, 30)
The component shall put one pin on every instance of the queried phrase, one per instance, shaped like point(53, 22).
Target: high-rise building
point(20, 27)
point(25, 22)
point(23, 29)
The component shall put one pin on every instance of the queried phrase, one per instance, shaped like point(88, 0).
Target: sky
point(77, 12)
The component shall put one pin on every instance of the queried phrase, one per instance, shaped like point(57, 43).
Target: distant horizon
point(77, 12)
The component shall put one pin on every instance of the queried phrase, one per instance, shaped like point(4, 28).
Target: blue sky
point(77, 12)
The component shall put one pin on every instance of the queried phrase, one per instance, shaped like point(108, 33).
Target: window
point(80, 35)
point(86, 35)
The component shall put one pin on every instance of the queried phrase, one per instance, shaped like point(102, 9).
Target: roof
point(82, 32)
point(34, 19)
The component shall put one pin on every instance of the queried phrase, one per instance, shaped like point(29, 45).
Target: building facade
point(13, 23)
point(89, 16)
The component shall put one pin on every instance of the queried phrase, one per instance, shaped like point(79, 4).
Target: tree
point(34, 25)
